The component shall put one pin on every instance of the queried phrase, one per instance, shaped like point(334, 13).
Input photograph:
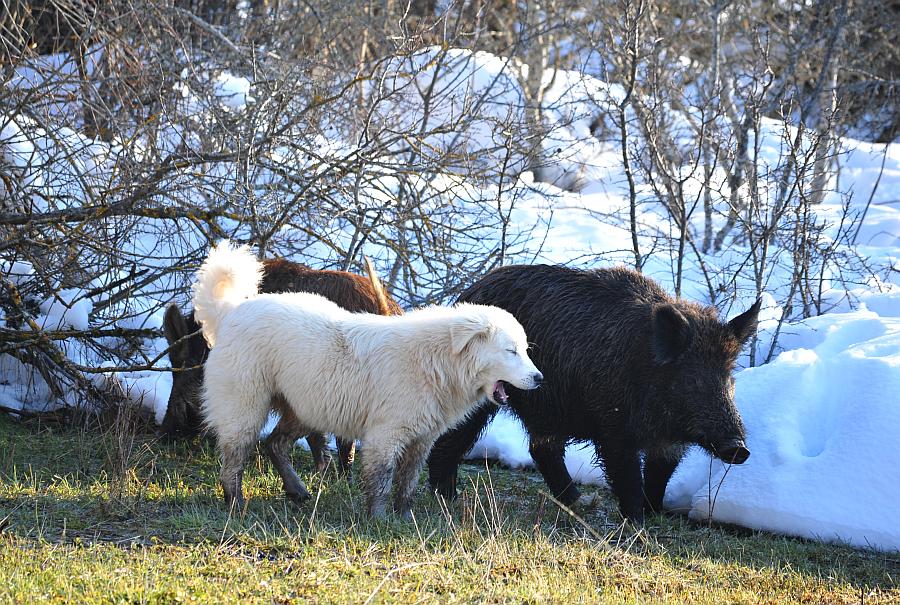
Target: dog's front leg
point(407, 477)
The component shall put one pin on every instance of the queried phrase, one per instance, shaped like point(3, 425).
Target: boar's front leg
point(549, 455)
point(622, 463)
point(658, 468)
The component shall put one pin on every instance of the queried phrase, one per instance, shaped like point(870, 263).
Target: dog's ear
point(465, 330)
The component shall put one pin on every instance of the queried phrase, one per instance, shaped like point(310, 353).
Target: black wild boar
point(626, 367)
point(188, 349)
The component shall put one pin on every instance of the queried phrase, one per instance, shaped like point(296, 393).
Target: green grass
point(114, 516)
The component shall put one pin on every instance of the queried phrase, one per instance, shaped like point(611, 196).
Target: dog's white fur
point(396, 383)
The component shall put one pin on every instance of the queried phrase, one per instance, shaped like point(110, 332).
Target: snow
point(23, 389)
point(233, 91)
point(573, 158)
point(822, 417)
point(17, 272)
point(68, 309)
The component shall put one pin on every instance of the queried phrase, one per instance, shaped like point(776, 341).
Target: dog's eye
point(511, 351)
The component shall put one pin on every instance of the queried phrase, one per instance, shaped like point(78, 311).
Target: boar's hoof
point(235, 503)
point(298, 495)
point(446, 489)
point(636, 518)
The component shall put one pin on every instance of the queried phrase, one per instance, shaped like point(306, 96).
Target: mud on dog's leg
point(236, 419)
point(278, 447)
point(379, 461)
point(406, 479)
point(234, 456)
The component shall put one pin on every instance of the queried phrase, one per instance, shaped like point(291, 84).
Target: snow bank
point(21, 388)
point(468, 105)
point(823, 426)
point(68, 309)
point(51, 164)
point(573, 158)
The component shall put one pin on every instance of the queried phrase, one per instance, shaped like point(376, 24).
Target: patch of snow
point(233, 91)
point(69, 309)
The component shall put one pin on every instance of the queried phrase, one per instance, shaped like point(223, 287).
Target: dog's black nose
point(538, 379)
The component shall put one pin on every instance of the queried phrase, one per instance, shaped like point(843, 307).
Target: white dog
point(396, 383)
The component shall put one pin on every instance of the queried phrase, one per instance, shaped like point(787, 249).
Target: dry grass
point(81, 526)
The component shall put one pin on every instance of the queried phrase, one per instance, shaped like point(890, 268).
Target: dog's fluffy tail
point(384, 308)
point(228, 277)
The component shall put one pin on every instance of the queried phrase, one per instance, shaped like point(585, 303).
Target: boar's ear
point(465, 330)
point(175, 327)
point(744, 325)
point(671, 333)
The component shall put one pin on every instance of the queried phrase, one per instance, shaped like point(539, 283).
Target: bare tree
point(322, 131)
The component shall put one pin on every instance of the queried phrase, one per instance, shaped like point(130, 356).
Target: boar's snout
point(733, 452)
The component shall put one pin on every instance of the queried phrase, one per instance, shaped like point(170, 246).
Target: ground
point(115, 515)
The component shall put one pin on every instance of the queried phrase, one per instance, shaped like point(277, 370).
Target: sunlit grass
point(82, 524)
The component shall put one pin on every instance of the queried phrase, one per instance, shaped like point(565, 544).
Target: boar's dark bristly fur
point(626, 367)
point(188, 349)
